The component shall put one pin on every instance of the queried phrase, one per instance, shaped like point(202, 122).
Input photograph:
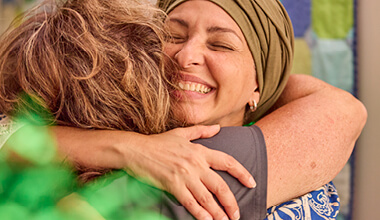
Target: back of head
point(91, 63)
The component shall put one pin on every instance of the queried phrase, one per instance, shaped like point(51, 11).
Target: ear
point(255, 95)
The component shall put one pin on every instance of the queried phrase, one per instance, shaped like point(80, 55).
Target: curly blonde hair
point(92, 63)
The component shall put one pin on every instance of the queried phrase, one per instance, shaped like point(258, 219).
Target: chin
point(193, 120)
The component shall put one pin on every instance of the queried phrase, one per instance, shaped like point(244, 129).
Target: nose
point(191, 54)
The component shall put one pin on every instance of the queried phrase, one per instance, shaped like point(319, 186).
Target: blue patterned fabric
point(322, 203)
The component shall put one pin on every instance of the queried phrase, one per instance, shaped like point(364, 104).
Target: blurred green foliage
point(37, 186)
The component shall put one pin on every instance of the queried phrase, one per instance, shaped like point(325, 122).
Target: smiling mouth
point(194, 87)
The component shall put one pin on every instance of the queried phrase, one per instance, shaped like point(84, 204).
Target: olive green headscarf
point(269, 34)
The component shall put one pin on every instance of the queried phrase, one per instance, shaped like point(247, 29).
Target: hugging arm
point(309, 136)
point(168, 161)
point(247, 145)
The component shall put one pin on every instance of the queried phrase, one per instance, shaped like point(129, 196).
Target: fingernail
point(225, 218)
point(236, 215)
point(252, 182)
point(208, 218)
point(216, 125)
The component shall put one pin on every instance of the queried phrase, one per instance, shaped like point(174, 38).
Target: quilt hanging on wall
point(325, 48)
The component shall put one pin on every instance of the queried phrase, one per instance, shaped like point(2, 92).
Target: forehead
point(203, 11)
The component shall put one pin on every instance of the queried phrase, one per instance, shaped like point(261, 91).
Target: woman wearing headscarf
point(269, 34)
point(203, 40)
point(163, 143)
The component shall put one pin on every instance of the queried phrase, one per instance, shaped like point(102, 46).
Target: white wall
point(367, 179)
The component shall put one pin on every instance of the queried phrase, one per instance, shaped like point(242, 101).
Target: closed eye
point(176, 39)
point(219, 46)
point(179, 39)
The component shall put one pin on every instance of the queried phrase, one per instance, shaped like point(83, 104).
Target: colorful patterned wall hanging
point(325, 48)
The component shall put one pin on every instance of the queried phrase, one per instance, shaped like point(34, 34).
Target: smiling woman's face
point(217, 68)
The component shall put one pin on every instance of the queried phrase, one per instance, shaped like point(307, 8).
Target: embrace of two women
point(163, 93)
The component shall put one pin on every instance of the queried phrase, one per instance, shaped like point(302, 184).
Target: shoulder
point(238, 138)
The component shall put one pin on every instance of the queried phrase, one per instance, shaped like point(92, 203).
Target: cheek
point(243, 71)
point(170, 49)
point(250, 81)
point(248, 67)
point(245, 80)
point(225, 67)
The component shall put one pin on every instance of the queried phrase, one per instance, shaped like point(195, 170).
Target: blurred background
point(338, 42)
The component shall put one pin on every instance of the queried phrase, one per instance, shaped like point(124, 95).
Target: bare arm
point(168, 161)
point(310, 139)
point(302, 154)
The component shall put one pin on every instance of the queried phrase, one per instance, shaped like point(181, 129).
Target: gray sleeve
point(247, 145)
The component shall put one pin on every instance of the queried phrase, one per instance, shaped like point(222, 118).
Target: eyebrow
point(179, 21)
point(215, 29)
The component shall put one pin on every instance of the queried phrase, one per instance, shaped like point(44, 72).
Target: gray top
point(247, 145)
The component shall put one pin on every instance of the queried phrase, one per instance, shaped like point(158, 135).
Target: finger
point(188, 201)
point(220, 189)
point(198, 131)
point(206, 200)
point(221, 161)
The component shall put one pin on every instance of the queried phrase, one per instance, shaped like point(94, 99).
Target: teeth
point(198, 87)
point(181, 85)
point(194, 87)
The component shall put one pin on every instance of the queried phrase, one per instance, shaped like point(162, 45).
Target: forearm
point(168, 161)
point(309, 139)
point(94, 148)
point(89, 148)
